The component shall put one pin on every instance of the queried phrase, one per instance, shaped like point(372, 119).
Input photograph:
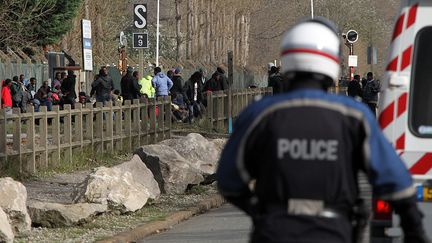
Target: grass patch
point(152, 213)
point(10, 168)
point(86, 159)
point(196, 190)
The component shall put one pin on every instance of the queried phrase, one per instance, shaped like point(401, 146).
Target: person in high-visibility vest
point(146, 86)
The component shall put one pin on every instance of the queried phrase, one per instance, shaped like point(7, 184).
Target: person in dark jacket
point(223, 78)
point(275, 80)
point(292, 161)
point(354, 87)
point(177, 80)
point(130, 89)
point(68, 89)
point(370, 92)
point(214, 84)
point(192, 92)
point(44, 96)
point(170, 74)
point(103, 86)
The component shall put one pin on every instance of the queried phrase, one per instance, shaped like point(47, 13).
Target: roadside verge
point(171, 220)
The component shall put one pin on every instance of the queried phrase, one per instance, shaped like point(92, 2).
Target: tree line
point(27, 23)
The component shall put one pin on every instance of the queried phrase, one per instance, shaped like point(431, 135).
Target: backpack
point(16, 92)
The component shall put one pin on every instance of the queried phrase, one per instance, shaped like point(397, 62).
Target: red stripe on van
point(386, 116)
point(402, 104)
point(400, 142)
point(398, 27)
point(412, 16)
point(423, 165)
point(406, 58)
point(392, 66)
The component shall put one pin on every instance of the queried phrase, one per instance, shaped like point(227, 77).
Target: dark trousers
point(372, 107)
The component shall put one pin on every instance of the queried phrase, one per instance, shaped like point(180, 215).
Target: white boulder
point(13, 200)
point(6, 234)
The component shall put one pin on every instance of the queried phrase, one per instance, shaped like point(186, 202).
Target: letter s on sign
point(139, 11)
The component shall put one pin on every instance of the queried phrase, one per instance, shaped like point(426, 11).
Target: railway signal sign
point(140, 16)
point(140, 40)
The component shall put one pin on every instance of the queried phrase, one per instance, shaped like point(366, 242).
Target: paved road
point(427, 211)
point(427, 221)
point(225, 224)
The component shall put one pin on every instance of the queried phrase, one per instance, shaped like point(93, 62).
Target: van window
point(420, 118)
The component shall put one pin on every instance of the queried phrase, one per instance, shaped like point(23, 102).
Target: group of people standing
point(365, 90)
point(19, 93)
point(188, 97)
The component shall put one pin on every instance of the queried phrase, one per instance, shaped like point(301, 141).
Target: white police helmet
point(312, 46)
point(270, 65)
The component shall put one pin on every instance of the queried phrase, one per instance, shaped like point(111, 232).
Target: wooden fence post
point(118, 126)
point(17, 136)
point(220, 111)
point(152, 108)
point(78, 131)
point(144, 123)
point(43, 141)
point(210, 110)
point(89, 134)
point(99, 126)
point(56, 136)
point(67, 134)
point(31, 160)
point(136, 124)
point(160, 119)
point(168, 117)
point(110, 127)
point(233, 105)
point(128, 123)
point(3, 134)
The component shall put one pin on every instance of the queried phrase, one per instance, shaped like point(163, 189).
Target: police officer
point(292, 160)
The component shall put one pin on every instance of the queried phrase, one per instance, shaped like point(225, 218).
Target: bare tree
point(178, 18)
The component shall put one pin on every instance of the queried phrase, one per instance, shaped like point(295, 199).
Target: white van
point(405, 109)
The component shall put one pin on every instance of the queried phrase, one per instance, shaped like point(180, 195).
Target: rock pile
point(168, 167)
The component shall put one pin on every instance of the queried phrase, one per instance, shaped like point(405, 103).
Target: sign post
point(140, 40)
point(87, 53)
point(351, 37)
point(230, 83)
point(87, 45)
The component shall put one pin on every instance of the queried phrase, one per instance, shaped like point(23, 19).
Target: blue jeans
point(103, 98)
point(36, 104)
point(194, 110)
point(47, 103)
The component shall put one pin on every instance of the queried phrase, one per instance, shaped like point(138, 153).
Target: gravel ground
point(110, 224)
point(62, 188)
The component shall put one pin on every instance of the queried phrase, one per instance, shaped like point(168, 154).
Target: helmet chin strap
point(305, 80)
